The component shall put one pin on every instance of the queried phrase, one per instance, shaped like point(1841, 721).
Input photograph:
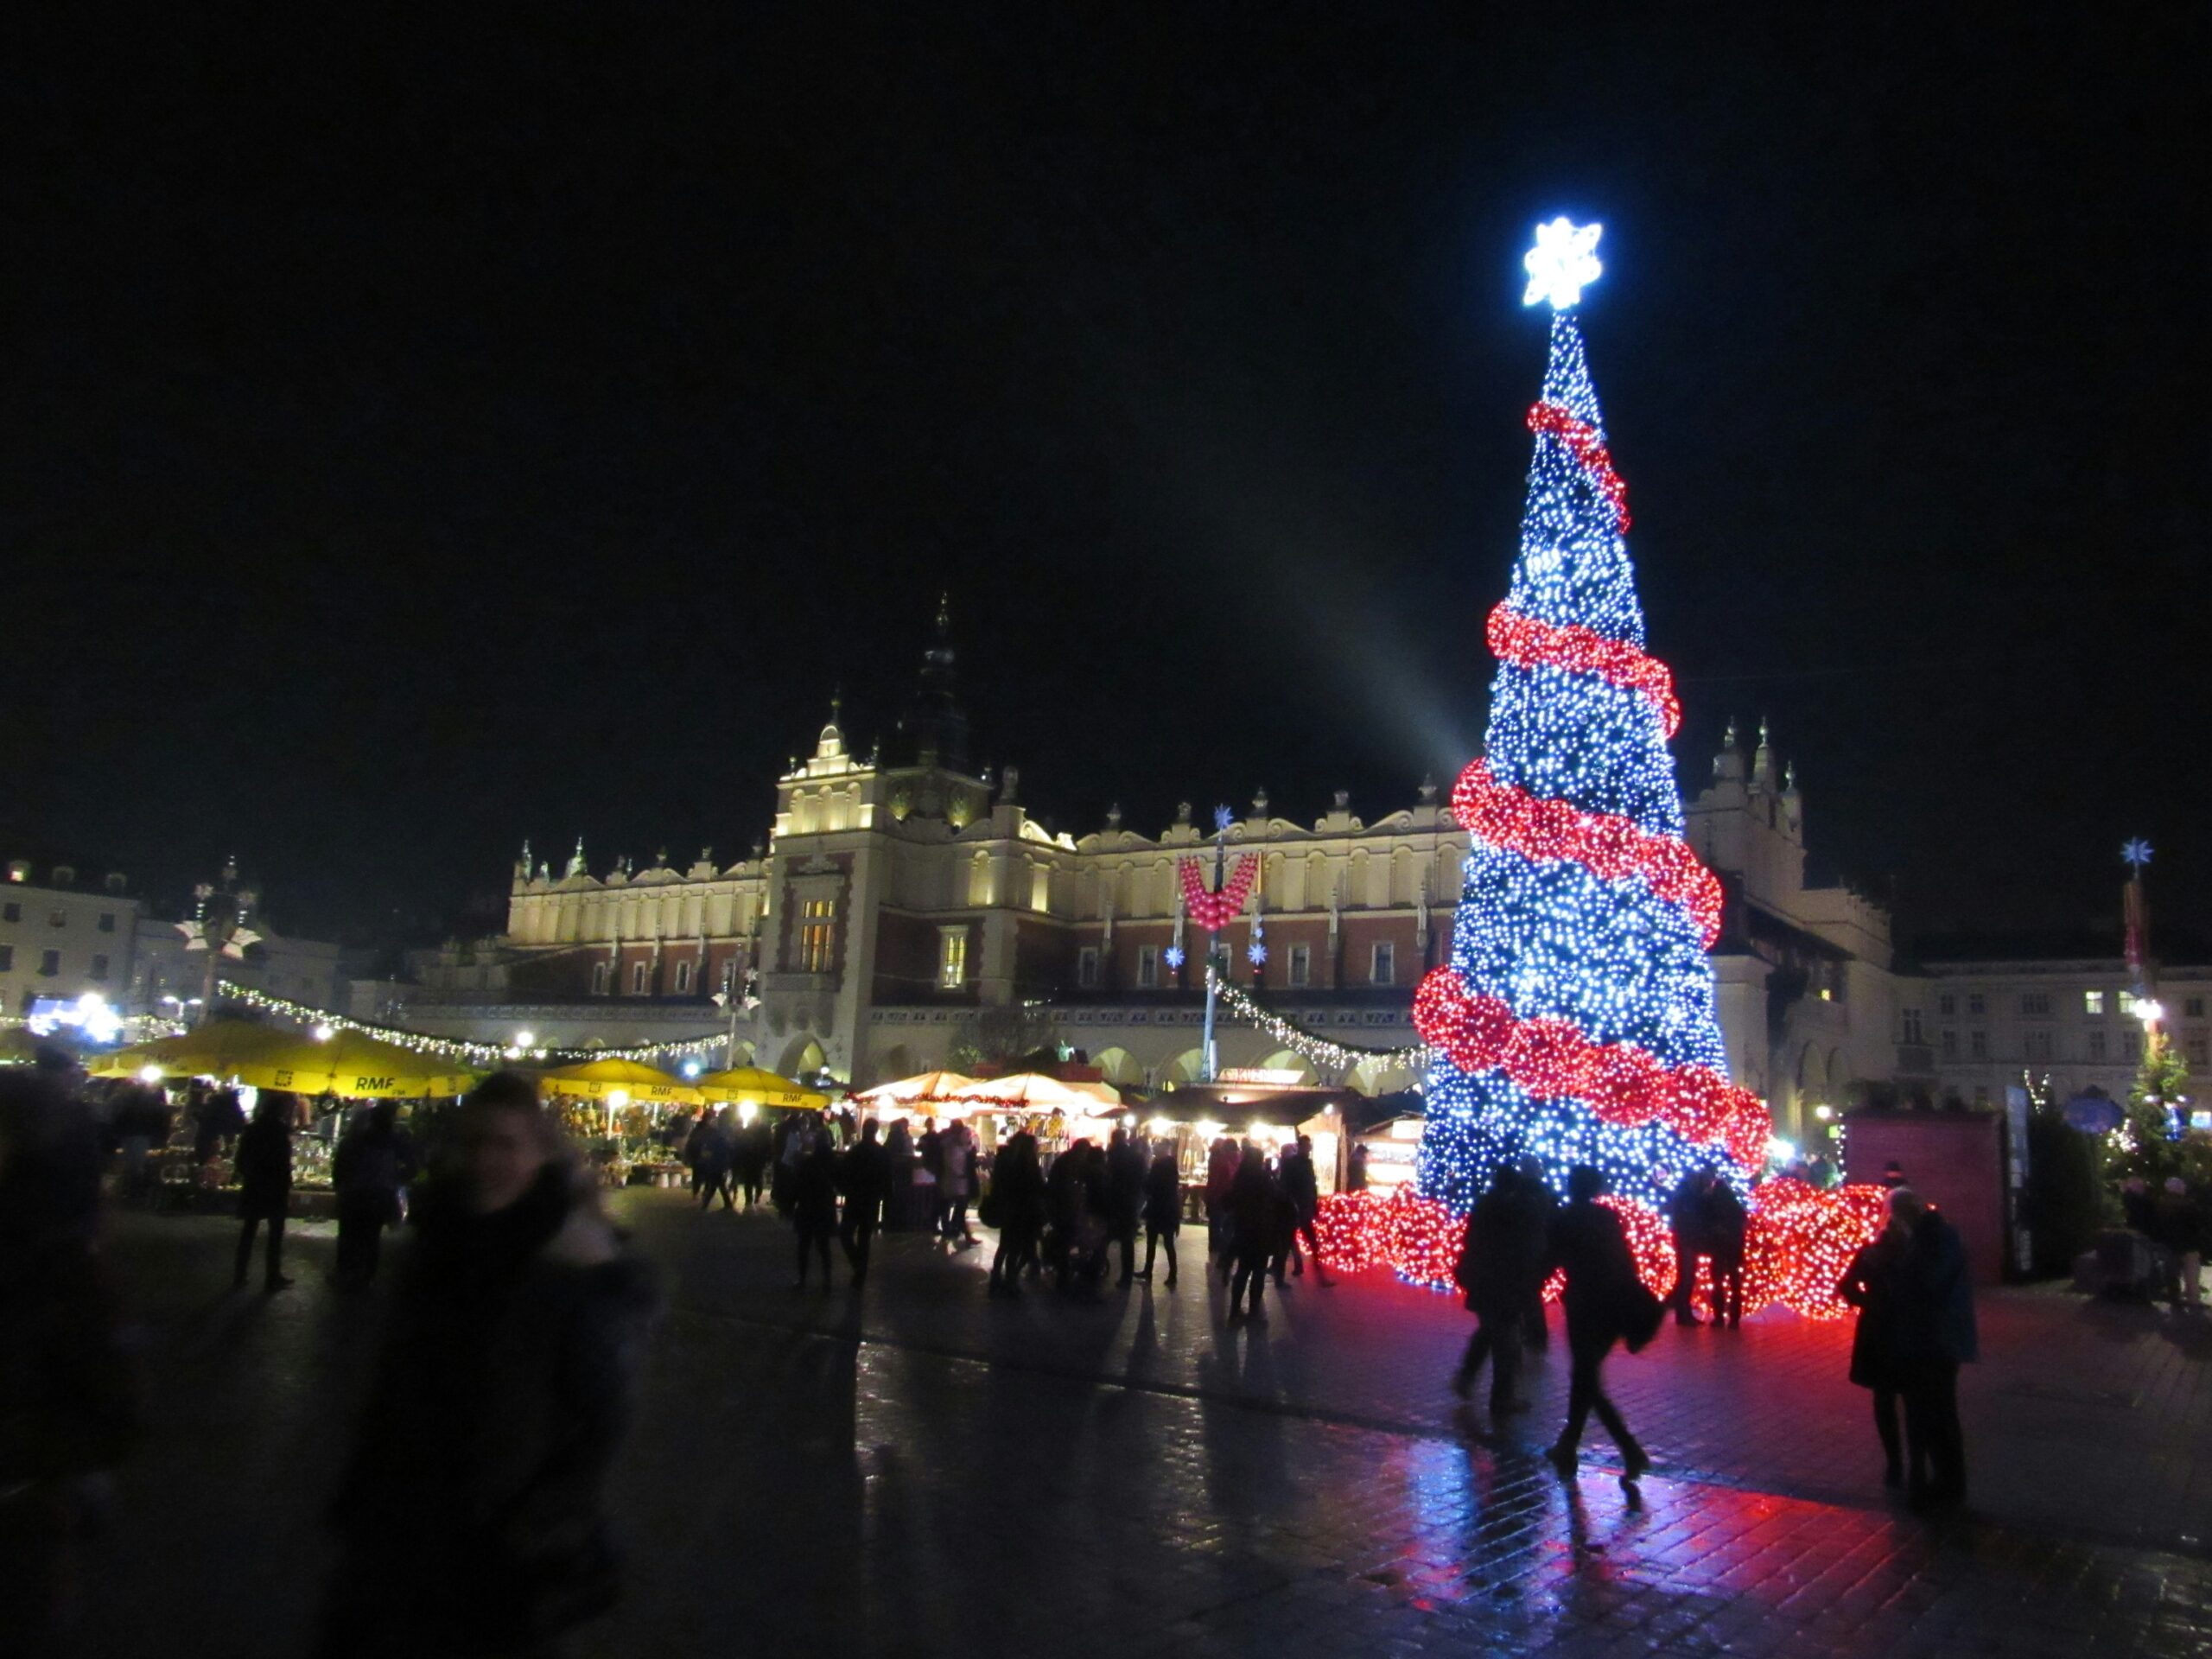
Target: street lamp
point(616, 1100)
point(182, 1005)
point(525, 1040)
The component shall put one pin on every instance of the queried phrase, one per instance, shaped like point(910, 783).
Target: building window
point(2093, 1004)
point(1086, 966)
point(11, 912)
point(49, 963)
point(7, 958)
point(2199, 1052)
point(107, 921)
point(2192, 1008)
point(57, 917)
point(2039, 1041)
point(1950, 1045)
point(637, 979)
point(2097, 1042)
point(951, 958)
point(2131, 1043)
point(683, 978)
point(1301, 965)
point(1947, 1004)
point(1148, 966)
point(1040, 888)
point(816, 919)
point(2035, 1005)
point(1977, 1045)
point(600, 976)
point(1973, 1002)
point(1910, 1023)
point(1383, 968)
point(100, 964)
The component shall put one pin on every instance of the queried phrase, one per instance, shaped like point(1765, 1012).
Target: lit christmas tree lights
point(1575, 1020)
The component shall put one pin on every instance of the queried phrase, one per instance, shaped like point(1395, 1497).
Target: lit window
point(951, 958)
point(1086, 966)
point(816, 925)
point(2093, 1004)
point(1148, 966)
point(1301, 965)
point(1383, 969)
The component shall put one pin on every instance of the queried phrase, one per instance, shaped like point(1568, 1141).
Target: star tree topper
point(1563, 263)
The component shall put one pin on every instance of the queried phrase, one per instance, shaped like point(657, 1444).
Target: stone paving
point(919, 1469)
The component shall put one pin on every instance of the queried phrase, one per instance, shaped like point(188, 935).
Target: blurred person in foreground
point(68, 1400)
point(471, 1518)
point(264, 1171)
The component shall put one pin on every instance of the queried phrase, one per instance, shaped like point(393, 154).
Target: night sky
point(414, 442)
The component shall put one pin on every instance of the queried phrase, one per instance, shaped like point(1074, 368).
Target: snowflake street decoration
point(2136, 852)
point(1172, 955)
point(1563, 263)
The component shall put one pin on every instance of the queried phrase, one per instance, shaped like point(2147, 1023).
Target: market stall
point(615, 1107)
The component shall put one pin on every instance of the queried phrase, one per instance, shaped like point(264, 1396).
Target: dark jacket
point(1937, 1324)
point(1725, 1223)
point(1126, 1170)
point(472, 1505)
point(1017, 1188)
point(265, 1167)
point(1300, 1184)
point(1163, 1195)
point(1501, 1256)
point(1588, 1243)
point(1874, 1284)
point(867, 1181)
point(1255, 1203)
point(814, 1191)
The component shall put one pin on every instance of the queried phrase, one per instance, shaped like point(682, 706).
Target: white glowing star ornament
point(1563, 263)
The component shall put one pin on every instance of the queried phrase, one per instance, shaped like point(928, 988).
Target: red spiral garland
point(1215, 910)
point(1606, 844)
point(1583, 443)
point(1553, 1060)
point(1528, 641)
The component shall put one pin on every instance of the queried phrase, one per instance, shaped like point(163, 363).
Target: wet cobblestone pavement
point(921, 1469)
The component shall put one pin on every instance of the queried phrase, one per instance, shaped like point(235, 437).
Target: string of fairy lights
point(1323, 1051)
point(456, 1048)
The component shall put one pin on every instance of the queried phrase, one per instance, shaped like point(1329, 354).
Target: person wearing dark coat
point(1222, 1159)
point(1542, 1204)
point(717, 1152)
point(264, 1172)
point(814, 1206)
point(1686, 1207)
point(471, 1516)
point(1501, 1265)
point(1253, 1202)
point(1163, 1211)
point(1936, 1335)
point(1126, 1170)
point(1356, 1169)
point(1018, 1193)
point(1874, 1284)
point(694, 1144)
point(1725, 1223)
point(1301, 1185)
point(755, 1147)
point(866, 1179)
point(372, 1163)
point(1589, 1244)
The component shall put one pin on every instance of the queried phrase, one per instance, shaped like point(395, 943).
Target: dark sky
point(418, 440)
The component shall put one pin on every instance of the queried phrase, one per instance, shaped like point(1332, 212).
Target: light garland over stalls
point(454, 1048)
point(1323, 1051)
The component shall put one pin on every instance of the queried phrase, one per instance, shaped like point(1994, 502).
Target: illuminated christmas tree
point(1575, 1021)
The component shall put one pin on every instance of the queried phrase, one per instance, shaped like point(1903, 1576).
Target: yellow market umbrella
point(927, 1085)
point(214, 1048)
point(745, 1083)
point(637, 1083)
point(355, 1066)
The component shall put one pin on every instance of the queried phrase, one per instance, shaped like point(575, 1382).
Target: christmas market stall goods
point(349, 1065)
point(617, 1083)
point(1392, 1148)
point(1195, 1116)
point(906, 1091)
point(1063, 1108)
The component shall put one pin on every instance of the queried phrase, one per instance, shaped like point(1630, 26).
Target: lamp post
point(217, 927)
